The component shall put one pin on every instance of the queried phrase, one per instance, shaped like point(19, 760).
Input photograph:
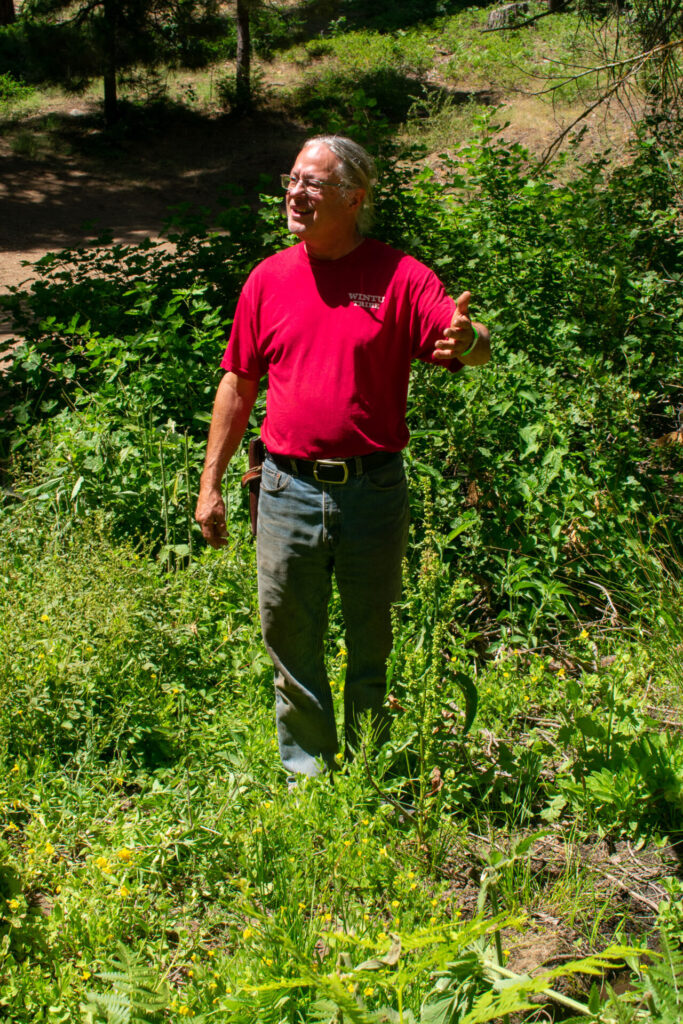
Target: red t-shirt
point(336, 338)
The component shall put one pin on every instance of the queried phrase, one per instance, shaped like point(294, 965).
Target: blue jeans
point(308, 530)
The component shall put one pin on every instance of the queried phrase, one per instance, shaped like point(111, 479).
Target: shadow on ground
point(84, 181)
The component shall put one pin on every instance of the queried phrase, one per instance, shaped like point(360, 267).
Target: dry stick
point(610, 65)
point(636, 897)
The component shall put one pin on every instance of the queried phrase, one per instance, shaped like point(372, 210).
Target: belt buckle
point(331, 464)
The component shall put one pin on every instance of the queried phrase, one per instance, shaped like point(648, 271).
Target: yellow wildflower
point(123, 891)
point(369, 991)
point(49, 849)
point(124, 855)
point(85, 975)
point(13, 904)
point(247, 933)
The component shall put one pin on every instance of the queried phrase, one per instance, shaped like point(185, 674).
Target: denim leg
point(368, 559)
point(294, 578)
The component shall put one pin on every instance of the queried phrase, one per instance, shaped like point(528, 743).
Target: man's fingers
point(215, 534)
point(462, 303)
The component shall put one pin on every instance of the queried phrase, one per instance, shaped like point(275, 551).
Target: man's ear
point(357, 198)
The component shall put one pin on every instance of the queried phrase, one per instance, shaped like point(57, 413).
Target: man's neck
point(334, 250)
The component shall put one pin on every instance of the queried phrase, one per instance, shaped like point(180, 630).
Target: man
point(335, 322)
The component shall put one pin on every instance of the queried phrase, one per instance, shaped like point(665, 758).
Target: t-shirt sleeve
point(432, 313)
point(242, 355)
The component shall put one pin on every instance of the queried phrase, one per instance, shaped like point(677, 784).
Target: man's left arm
point(459, 339)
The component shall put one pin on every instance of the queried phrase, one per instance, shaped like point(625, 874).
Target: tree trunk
point(7, 13)
point(111, 111)
point(243, 77)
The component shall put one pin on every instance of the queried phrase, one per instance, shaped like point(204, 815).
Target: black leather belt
point(332, 471)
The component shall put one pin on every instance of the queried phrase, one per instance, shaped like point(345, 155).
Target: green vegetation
point(514, 850)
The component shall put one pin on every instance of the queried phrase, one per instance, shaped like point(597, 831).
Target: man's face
point(321, 220)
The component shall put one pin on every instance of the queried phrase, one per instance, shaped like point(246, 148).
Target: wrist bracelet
point(474, 343)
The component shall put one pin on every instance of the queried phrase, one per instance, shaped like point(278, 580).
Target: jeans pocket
point(387, 477)
point(273, 479)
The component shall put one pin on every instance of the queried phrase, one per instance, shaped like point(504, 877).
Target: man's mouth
point(300, 211)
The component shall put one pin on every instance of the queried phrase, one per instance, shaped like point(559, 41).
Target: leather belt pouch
point(252, 478)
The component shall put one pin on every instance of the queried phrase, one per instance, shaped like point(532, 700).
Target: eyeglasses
point(312, 186)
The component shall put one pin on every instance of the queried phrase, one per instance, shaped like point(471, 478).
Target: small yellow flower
point(413, 885)
point(366, 917)
point(302, 906)
point(124, 855)
point(212, 986)
point(432, 920)
point(49, 849)
point(174, 691)
point(58, 889)
point(16, 767)
point(349, 987)
point(85, 975)
point(119, 780)
point(104, 866)
point(190, 973)
point(44, 618)
point(211, 952)
point(458, 913)
point(183, 1010)
point(327, 917)
point(123, 891)
point(268, 962)
point(247, 933)
point(369, 992)
point(395, 904)
point(13, 904)
point(434, 902)
point(506, 952)
point(561, 671)
point(347, 842)
point(584, 634)
point(383, 851)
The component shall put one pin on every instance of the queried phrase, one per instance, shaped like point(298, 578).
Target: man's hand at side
point(458, 338)
point(233, 404)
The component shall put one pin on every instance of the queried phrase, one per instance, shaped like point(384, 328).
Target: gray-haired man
point(335, 322)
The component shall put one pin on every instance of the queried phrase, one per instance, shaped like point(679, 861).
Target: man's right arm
point(231, 409)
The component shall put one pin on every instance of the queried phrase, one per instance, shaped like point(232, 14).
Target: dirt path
point(54, 199)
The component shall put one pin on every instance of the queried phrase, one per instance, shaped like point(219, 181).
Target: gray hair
point(357, 170)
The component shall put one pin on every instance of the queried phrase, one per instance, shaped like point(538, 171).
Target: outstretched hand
point(459, 336)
